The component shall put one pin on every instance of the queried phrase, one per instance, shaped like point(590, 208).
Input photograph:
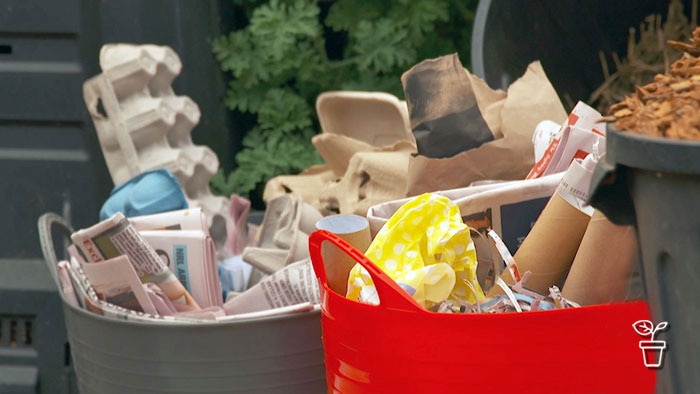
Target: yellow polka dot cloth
point(426, 248)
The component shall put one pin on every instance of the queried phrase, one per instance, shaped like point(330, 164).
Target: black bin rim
point(644, 152)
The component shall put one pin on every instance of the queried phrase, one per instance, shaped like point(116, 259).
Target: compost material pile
point(670, 105)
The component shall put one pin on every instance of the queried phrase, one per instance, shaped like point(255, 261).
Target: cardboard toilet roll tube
point(550, 247)
point(355, 230)
point(603, 265)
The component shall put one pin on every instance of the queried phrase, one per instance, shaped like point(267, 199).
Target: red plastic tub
point(399, 347)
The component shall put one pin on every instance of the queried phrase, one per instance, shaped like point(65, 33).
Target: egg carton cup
point(134, 68)
point(376, 118)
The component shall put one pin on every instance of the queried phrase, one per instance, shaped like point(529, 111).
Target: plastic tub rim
point(205, 323)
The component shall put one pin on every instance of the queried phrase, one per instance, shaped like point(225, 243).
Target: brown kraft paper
point(603, 265)
point(550, 247)
point(514, 115)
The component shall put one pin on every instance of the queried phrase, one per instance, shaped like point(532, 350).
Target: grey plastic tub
point(274, 354)
point(654, 184)
point(265, 355)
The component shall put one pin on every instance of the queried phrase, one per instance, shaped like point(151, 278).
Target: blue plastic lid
point(150, 192)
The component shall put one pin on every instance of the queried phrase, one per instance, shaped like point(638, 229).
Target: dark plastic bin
point(654, 183)
point(34, 353)
point(566, 36)
point(50, 159)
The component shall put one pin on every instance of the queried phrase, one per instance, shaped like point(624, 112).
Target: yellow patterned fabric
point(426, 248)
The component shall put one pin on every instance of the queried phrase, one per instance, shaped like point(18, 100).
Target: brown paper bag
point(444, 114)
point(513, 114)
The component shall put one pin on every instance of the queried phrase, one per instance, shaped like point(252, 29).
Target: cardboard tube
point(550, 247)
point(602, 267)
point(355, 230)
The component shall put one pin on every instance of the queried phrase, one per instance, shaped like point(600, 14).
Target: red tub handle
point(391, 295)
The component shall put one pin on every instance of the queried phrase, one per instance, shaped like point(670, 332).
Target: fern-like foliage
point(279, 65)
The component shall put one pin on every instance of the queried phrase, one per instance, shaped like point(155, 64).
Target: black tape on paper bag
point(452, 134)
point(445, 117)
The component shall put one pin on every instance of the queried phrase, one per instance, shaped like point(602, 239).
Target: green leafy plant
point(288, 52)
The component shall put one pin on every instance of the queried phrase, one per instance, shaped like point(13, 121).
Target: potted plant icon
point(652, 350)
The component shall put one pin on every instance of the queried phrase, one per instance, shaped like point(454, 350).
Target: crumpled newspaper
point(427, 249)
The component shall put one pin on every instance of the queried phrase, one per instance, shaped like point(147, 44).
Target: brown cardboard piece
point(365, 144)
point(283, 234)
point(305, 184)
point(375, 118)
point(513, 114)
point(550, 247)
point(355, 230)
point(603, 265)
point(337, 150)
point(371, 178)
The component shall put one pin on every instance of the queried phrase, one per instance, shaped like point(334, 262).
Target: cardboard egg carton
point(131, 68)
point(142, 125)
